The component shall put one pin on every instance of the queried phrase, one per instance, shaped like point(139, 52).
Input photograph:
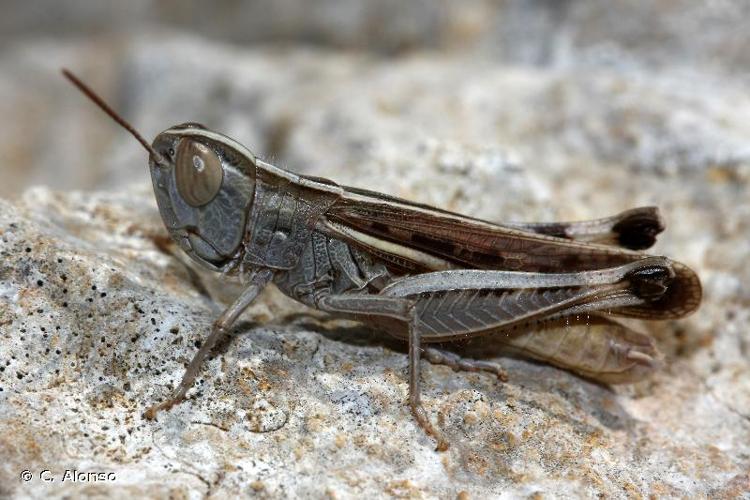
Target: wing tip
point(637, 228)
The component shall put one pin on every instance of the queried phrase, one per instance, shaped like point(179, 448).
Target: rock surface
point(98, 316)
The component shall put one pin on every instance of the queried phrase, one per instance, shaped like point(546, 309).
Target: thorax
point(330, 266)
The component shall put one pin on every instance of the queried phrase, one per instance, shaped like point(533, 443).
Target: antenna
point(120, 120)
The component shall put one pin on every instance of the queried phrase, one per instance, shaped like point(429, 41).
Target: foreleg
point(221, 326)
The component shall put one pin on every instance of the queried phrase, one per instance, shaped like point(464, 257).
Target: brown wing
point(414, 237)
point(635, 229)
point(468, 242)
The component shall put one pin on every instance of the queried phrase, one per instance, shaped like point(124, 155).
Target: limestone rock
point(98, 315)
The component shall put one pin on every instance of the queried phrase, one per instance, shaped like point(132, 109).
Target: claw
point(151, 413)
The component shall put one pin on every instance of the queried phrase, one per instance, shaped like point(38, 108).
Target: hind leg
point(402, 309)
point(415, 392)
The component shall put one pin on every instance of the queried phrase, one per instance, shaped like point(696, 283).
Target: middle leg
point(458, 363)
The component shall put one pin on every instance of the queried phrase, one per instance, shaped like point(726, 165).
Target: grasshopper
point(547, 291)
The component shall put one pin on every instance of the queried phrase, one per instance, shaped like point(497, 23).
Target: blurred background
point(356, 88)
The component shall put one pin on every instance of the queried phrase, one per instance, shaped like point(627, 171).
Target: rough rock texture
point(98, 315)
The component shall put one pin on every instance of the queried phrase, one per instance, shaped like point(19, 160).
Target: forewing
point(635, 229)
point(464, 241)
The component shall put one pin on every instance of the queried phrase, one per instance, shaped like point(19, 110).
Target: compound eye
point(198, 172)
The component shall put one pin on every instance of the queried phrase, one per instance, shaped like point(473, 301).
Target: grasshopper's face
point(204, 188)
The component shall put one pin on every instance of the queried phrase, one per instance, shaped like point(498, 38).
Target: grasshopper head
point(204, 184)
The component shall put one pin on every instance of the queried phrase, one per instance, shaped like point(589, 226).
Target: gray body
point(548, 291)
point(545, 291)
